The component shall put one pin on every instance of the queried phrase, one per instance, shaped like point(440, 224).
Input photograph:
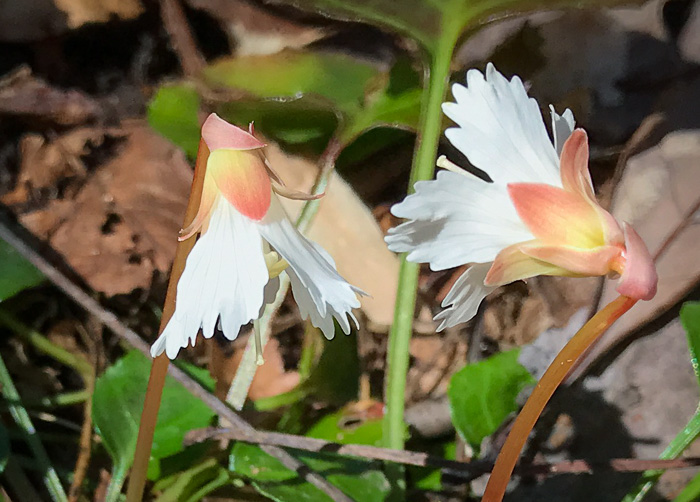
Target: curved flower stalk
point(538, 216)
point(246, 241)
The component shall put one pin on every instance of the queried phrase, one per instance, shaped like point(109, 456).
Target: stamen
point(275, 264)
point(258, 343)
point(443, 162)
point(295, 194)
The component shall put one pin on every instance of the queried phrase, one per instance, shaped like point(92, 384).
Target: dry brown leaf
point(23, 95)
point(122, 225)
point(43, 164)
point(270, 379)
point(345, 227)
point(658, 188)
point(257, 31)
point(81, 12)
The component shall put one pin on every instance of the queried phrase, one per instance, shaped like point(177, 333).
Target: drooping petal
point(465, 296)
point(321, 293)
point(512, 265)
point(501, 130)
point(224, 276)
point(217, 133)
point(206, 203)
point(575, 176)
point(639, 279)
point(578, 261)
point(455, 219)
point(562, 127)
point(242, 179)
point(557, 217)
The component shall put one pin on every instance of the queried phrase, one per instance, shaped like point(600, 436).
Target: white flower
point(246, 241)
point(539, 216)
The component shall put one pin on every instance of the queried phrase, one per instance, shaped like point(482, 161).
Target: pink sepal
point(218, 134)
point(639, 278)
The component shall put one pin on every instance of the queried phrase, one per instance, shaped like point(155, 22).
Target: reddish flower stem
point(159, 368)
point(553, 377)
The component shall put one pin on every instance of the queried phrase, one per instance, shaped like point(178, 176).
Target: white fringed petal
point(455, 219)
point(562, 127)
point(501, 130)
point(467, 293)
point(225, 276)
point(321, 293)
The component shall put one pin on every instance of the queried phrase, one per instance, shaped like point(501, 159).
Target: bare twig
point(90, 336)
point(682, 225)
point(181, 37)
point(468, 470)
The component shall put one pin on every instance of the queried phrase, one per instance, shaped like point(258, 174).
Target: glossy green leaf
point(690, 319)
point(483, 394)
point(192, 483)
point(430, 22)
point(118, 401)
point(16, 273)
point(336, 428)
point(358, 479)
point(338, 78)
point(173, 112)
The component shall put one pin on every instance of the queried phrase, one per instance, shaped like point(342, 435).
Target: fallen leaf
point(271, 378)
point(122, 224)
point(28, 97)
point(81, 12)
point(257, 31)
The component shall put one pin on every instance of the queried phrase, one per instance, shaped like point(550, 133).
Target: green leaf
point(118, 402)
point(338, 78)
point(331, 428)
point(430, 22)
point(173, 112)
point(4, 447)
point(690, 319)
point(483, 394)
point(360, 480)
point(16, 273)
point(182, 486)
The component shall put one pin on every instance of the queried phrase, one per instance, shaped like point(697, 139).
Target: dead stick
point(181, 37)
point(468, 470)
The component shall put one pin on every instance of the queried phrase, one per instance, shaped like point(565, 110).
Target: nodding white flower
point(538, 216)
point(246, 241)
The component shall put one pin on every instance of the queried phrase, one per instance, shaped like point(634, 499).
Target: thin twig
point(682, 225)
point(181, 37)
point(112, 322)
point(467, 470)
point(85, 444)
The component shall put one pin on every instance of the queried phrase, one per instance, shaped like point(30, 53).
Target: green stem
point(677, 446)
point(423, 169)
point(44, 345)
point(114, 489)
point(21, 417)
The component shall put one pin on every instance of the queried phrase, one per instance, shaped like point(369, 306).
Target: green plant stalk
point(423, 169)
point(677, 446)
point(44, 345)
point(21, 417)
point(114, 489)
